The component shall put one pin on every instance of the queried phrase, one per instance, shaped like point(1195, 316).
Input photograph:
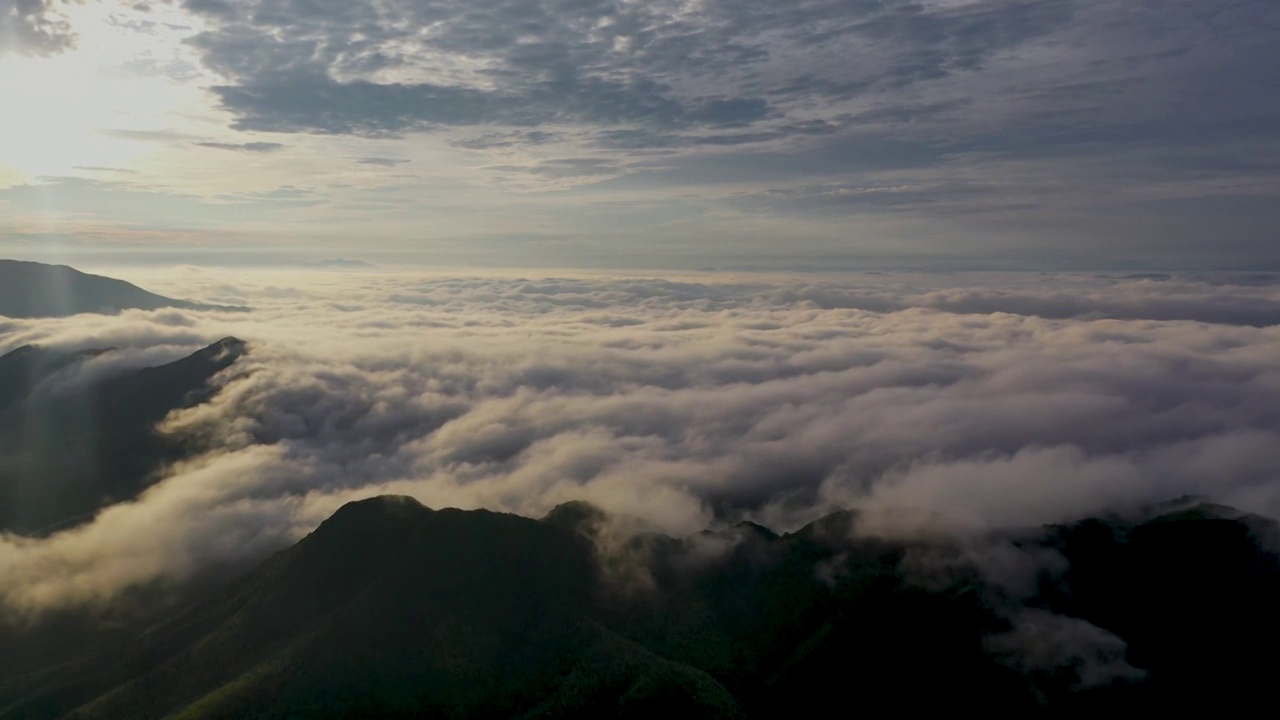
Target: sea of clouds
point(937, 403)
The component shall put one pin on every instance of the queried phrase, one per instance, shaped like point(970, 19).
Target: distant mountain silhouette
point(392, 610)
point(341, 264)
point(69, 450)
point(31, 289)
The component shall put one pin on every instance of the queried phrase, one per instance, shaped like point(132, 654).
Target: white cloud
point(681, 401)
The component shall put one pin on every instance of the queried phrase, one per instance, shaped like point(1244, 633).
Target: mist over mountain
point(75, 438)
point(391, 609)
point(31, 290)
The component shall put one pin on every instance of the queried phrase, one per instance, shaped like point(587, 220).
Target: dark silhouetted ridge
point(69, 451)
point(835, 528)
point(393, 610)
point(389, 609)
point(577, 515)
point(373, 512)
point(757, 530)
point(31, 289)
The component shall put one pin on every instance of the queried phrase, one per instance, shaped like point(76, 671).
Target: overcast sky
point(665, 133)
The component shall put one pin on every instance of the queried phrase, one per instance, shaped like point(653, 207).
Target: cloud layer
point(940, 403)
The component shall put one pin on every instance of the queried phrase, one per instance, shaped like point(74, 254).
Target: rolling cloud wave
point(684, 403)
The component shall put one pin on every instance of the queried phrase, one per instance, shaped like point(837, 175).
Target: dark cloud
point(165, 136)
point(34, 27)
point(848, 198)
point(635, 139)
point(136, 24)
point(296, 67)
point(249, 147)
point(98, 168)
point(381, 161)
point(689, 402)
point(498, 140)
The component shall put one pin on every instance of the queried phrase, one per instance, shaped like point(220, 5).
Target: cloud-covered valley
point(937, 403)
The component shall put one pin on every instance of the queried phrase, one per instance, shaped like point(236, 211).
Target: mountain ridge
point(391, 609)
point(33, 290)
point(65, 455)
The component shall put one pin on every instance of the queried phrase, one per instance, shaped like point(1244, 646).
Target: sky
point(685, 134)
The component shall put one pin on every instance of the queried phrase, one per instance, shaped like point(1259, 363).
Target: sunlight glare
point(62, 104)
